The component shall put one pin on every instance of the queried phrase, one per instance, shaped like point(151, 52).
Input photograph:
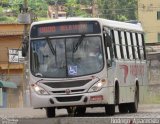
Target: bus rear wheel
point(133, 107)
point(123, 108)
point(110, 110)
point(50, 112)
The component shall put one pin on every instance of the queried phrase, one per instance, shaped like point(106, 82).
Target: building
point(149, 16)
point(60, 10)
point(10, 69)
point(91, 10)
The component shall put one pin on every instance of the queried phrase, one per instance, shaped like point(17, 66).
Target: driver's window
point(108, 46)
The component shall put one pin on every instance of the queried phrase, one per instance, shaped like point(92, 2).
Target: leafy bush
point(1, 11)
point(3, 18)
point(8, 19)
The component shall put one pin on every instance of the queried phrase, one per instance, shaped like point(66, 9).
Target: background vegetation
point(111, 9)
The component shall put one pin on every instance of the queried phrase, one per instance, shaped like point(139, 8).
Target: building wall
point(6, 43)
point(6, 28)
point(11, 38)
point(147, 15)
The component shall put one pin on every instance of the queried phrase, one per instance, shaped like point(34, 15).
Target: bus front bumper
point(85, 99)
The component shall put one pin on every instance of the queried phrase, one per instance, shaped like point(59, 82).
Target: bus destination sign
point(65, 28)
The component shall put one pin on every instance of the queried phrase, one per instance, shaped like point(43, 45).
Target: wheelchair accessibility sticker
point(72, 70)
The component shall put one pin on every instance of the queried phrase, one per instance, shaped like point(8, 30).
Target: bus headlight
point(97, 86)
point(39, 90)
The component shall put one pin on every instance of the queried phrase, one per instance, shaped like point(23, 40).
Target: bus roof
point(103, 22)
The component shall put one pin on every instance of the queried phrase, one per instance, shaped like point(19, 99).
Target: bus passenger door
point(109, 54)
point(110, 64)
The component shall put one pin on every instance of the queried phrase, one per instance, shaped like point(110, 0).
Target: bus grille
point(68, 99)
point(64, 92)
point(67, 84)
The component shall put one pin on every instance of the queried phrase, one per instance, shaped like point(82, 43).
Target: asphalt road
point(149, 114)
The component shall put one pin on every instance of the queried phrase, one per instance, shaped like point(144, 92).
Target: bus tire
point(110, 110)
point(50, 112)
point(123, 108)
point(116, 93)
point(80, 111)
point(133, 107)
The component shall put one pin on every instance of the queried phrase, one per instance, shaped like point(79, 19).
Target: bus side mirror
point(25, 46)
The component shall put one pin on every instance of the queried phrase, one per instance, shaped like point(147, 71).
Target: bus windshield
point(66, 57)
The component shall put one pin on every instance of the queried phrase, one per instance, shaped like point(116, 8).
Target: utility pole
point(56, 9)
point(25, 19)
point(25, 11)
point(25, 35)
point(94, 8)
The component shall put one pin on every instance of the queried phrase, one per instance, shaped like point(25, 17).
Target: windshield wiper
point(78, 43)
point(51, 46)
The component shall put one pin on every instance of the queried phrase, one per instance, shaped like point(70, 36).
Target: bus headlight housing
point(39, 90)
point(98, 86)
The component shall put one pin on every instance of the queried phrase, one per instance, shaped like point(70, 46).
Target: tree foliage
point(118, 9)
point(111, 9)
point(74, 9)
point(1, 11)
point(39, 7)
point(53, 2)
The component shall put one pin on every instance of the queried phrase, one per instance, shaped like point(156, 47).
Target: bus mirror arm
point(25, 47)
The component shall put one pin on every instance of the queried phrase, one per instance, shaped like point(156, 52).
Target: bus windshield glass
point(66, 57)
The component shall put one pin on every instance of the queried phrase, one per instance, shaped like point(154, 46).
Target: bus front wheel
point(110, 109)
point(50, 112)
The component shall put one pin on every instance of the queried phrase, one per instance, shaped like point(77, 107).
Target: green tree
point(4, 3)
point(39, 7)
point(111, 9)
point(1, 11)
point(52, 2)
point(73, 9)
point(85, 2)
point(118, 9)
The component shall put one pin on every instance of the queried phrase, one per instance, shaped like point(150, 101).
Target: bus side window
point(129, 45)
point(120, 44)
point(138, 47)
point(126, 43)
point(141, 47)
point(124, 46)
point(117, 44)
point(132, 44)
point(143, 43)
point(135, 45)
point(114, 44)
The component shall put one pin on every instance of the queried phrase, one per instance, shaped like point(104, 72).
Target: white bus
point(86, 62)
